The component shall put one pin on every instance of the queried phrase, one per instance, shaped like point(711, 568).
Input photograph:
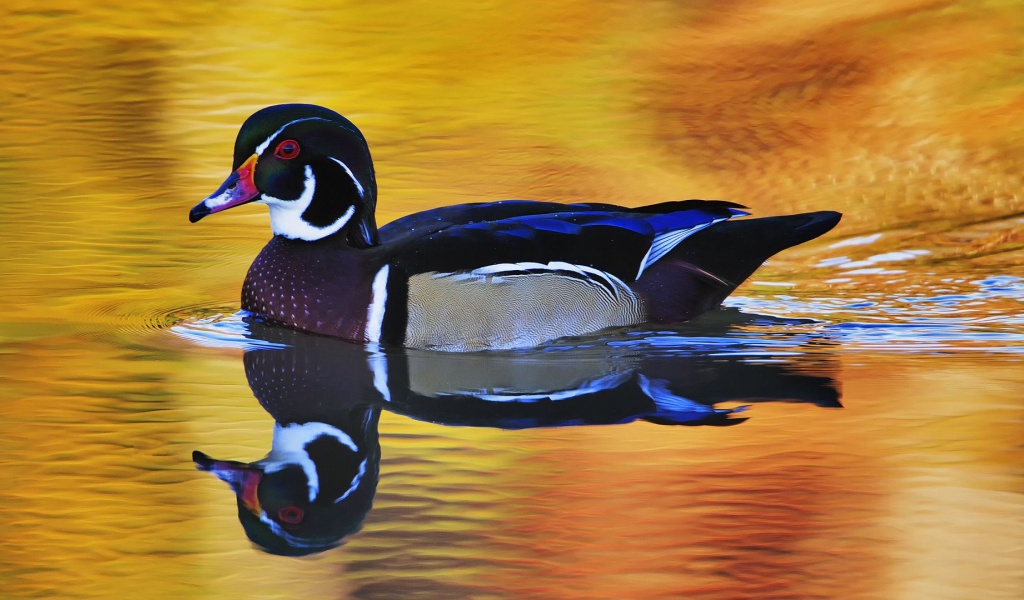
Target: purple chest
point(310, 287)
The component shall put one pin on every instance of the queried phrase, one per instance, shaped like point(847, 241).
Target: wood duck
point(496, 275)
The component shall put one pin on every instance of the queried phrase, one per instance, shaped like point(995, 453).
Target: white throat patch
point(286, 215)
point(288, 448)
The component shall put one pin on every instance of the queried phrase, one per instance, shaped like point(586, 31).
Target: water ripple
point(221, 331)
point(982, 315)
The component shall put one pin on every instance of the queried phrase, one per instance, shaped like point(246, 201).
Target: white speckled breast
point(276, 292)
point(308, 287)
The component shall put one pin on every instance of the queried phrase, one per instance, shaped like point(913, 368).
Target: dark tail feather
point(735, 249)
point(706, 267)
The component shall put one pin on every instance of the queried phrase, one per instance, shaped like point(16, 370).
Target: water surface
point(850, 425)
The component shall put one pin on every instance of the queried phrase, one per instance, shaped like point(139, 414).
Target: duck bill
point(244, 479)
point(239, 188)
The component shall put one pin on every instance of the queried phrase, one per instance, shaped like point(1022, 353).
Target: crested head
point(314, 487)
point(310, 166)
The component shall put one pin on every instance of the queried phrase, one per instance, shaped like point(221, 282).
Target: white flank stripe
point(553, 266)
point(359, 187)
point(507, 267)
point(564, 266)
point(375, 313)
point(497, 273)
point(615, 282)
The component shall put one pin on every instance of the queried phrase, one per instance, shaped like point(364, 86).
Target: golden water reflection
point(118, 117)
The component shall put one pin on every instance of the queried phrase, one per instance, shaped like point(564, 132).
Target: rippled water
point(849, 425)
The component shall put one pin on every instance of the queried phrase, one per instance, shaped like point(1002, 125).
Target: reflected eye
point(287, 150)
point(291, 515)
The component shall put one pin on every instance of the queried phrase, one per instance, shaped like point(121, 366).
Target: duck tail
point(706, 267)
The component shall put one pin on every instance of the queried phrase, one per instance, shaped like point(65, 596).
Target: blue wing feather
point(681, 220)
point(519, 232)
point(619, 240)
point(624, 222)
point(546, 223)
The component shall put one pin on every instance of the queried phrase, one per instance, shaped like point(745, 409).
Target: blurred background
point(906, 115)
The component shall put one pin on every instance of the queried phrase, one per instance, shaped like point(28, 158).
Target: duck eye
point(291, 515)
point(287, 150)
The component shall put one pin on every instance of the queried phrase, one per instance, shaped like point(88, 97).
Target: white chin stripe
point(286, 215)
point(289, 448)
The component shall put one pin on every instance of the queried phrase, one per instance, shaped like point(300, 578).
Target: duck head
point(314, 488)
point(310, 166)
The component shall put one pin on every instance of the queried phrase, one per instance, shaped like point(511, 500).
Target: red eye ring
point(287, 150)
point(291, 514)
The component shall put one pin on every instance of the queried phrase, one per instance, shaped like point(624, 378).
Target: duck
point(477, 276)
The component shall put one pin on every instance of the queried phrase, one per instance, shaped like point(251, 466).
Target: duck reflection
point(316, 485)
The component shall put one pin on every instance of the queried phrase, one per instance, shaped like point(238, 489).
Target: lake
point(850, 424)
